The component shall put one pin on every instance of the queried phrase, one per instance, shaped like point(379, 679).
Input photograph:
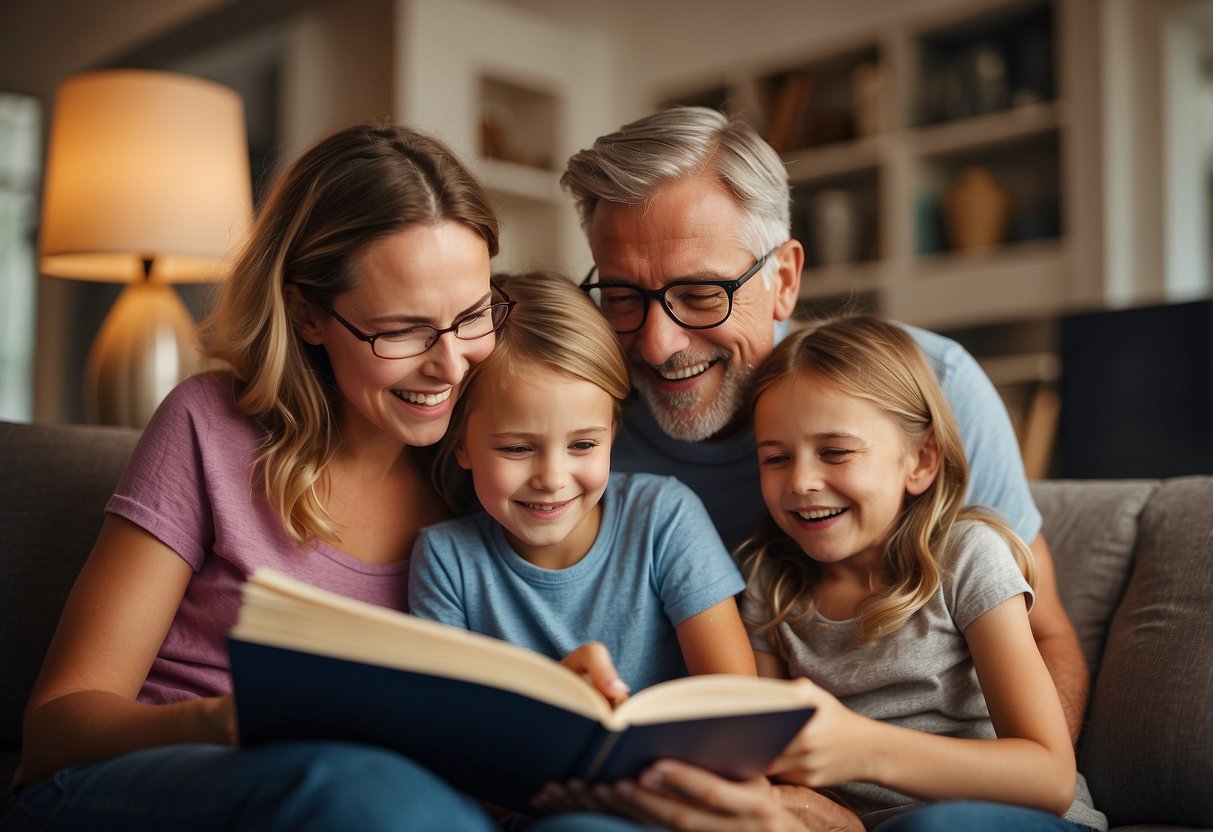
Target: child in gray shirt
point(906, 611)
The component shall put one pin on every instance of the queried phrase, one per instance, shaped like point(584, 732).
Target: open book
point(493, 719)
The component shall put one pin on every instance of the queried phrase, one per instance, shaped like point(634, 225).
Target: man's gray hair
point(630, 165)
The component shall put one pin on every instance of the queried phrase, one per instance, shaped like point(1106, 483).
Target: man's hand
point(680, 796)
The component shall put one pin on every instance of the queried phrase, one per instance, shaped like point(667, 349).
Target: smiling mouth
point(680, 373)
point(819, 514)
point(423, 399)
point(544, 507)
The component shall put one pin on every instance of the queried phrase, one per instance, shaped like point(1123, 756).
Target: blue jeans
point(295, 786)
point(988, 817)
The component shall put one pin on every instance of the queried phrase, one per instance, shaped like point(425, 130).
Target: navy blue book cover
point(498, 746)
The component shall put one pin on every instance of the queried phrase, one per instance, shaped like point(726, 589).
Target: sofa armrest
point(54, 483)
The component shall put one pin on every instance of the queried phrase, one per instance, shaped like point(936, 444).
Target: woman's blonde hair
point(345, 193)
point(553, 325)
point(879, 362)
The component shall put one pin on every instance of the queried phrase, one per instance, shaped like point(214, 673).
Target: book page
point(696, 697)
point(282, 612)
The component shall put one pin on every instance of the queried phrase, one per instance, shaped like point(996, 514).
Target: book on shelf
point(787, 121)
point(495, 720)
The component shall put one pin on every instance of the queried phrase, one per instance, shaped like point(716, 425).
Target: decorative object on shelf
point(928, 227)
point(517, 123)
point(834, 218)
point(976, 210)
point(1030, 63)
point(869, 86)
point(989, 73)
point(785, 129)
point(147, 183)
point(498, 132)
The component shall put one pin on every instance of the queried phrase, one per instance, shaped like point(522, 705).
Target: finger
point(662, 809)
point(594, 660)
point(610, 798)
point(797, 776)
point(585, 797)
point(706, 788)
point(650, 808)
point(563, 797)
point(789, 761)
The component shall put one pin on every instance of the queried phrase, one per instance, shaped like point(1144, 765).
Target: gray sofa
point(1134, 563)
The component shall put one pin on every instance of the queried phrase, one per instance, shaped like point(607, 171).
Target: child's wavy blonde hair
point(552, 325)
point(879, 362)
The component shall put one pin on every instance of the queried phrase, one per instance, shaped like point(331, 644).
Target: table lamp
point(147, 183)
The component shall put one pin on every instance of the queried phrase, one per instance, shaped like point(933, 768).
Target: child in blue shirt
point(563, 553)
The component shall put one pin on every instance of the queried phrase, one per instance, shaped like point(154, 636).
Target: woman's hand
point(833, 746)
point(219, 715)
point(593, 661)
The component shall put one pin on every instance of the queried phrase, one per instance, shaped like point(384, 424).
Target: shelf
point(988, 131)
point(1014, 282)
point(1023, 368)
point(843, 279)
point(522, 181)
point(835, 160)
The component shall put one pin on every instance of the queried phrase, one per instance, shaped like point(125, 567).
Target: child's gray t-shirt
point(920, 676)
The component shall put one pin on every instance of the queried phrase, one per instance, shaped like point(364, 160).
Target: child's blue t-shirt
point(657, 562)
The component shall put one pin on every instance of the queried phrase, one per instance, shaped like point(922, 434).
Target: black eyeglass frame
point(730, 287)
point(506, 301)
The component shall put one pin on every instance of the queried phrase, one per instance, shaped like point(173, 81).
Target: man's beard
point(675, 412)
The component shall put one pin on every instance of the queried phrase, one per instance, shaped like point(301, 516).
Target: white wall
point(444, 48)
point(338, 69)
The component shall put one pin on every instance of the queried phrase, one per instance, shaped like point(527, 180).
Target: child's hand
point(593, 661)
point(833, 746)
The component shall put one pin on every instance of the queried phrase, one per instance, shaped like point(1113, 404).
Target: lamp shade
point(144, 166)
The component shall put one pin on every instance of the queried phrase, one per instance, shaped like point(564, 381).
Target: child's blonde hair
point(879, 362)
point(553, 324)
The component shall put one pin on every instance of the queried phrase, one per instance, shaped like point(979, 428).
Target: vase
point(834, 213)
point(977, 209)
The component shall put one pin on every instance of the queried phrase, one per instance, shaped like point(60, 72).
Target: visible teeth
point(685, 372)
point(820, 513)
point(427, 399)
point(540, 506)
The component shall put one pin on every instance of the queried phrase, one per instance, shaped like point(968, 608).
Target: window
point(20, 119)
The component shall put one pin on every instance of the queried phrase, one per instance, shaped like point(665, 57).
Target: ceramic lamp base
point(144, 348)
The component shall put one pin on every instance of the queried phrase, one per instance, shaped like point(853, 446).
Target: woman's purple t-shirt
point(192, 483)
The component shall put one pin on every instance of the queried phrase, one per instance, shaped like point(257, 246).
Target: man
point(688, 195)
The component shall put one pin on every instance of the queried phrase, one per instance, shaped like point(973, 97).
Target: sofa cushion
point(1091, 528)
point(54, 484)
point(1147, 748)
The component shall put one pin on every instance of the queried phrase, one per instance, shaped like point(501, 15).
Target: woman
point(353, 313)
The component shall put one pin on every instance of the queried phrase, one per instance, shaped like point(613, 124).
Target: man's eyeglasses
point(693, 304)
point(406, 343)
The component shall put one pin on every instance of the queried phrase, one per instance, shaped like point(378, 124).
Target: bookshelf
point(896, 119)
point(907, 119)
